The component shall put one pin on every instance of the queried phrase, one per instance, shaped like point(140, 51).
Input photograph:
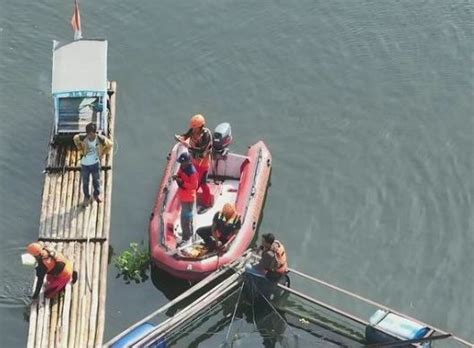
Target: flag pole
point(76, 22)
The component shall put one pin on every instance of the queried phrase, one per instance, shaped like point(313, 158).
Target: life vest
point(187, 191)
point(280, 256)
point(52, 259)
point(225, 228)
point(201, 148)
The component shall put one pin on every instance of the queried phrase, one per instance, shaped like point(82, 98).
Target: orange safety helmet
point(34, 249)
point(197, 121)
point(228, 210)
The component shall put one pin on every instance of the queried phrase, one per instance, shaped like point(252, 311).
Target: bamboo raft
point(76, 317)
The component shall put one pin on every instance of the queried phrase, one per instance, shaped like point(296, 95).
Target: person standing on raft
point(198, 140)
point(57, 268)
point(93, 147)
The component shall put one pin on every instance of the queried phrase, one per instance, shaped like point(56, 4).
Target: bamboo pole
point(89, 227)
point(106, 223)
point(45, 336)
point(62, 202)
point(50, 206)
point(44, 205)
point(100, 209)
point(67, 299)
point(32, 323)
point(82, 300)
point(69, 199)
point(56, 206)
point(75, 299)
point(95, 295)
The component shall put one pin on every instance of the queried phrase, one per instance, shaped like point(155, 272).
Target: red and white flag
point(76, 22)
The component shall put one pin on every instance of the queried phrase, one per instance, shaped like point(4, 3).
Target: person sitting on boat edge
point(93, 147)
point(187, 181)
point(198, 140)
point(53, 264)
point(273, 263)
point(225, 224)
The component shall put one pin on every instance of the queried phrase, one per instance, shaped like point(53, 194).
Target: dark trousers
point(86, 172)
point(206, 235)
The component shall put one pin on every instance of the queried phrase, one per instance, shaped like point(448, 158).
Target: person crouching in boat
point(57, 268)
point(273, 263)
point(198, 140)
point(225, 224)
point(187, 180)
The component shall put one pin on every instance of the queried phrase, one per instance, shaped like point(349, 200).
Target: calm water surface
point(366, 107)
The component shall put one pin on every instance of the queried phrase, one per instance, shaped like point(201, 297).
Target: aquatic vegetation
point(133, 263)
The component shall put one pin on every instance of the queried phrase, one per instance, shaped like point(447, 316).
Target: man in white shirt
point(93, 147)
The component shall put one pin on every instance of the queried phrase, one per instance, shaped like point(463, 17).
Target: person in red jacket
point(55, 266)
point(187, 180)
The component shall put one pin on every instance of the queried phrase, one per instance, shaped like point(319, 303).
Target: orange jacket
point(50, 262)
point(280, 256)
point(187, 191)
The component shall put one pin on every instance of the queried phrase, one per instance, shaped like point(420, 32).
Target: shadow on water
point(169, 286)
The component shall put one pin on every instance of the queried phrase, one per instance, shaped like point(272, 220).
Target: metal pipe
point(178, 299)
point(324, 305)
point(190, 310)
point(322, 282)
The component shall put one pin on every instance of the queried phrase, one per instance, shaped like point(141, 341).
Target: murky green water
point(366, 107)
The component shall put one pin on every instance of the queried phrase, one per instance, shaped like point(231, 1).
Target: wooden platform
point(76, 317)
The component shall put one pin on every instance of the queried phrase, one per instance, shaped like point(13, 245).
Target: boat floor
point(224, 192)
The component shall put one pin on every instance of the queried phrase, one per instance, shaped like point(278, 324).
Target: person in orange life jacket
point(224, 225)
point(187, 180)
point(198, 139)
point(274, 260)
point(93, 147)
point(57, 268)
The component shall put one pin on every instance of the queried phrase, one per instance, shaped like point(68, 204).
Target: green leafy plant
point(133, 263)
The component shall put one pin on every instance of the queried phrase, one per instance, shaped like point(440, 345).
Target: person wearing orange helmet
point(198, 140)
point(225, 224)
point(57, 268)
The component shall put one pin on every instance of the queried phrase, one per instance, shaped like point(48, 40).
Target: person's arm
point(40, 273)
point(77, 141)
point(187, 135)
point(107, 144)
point(58, 268)
point(205, 141)
point(214, 225)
